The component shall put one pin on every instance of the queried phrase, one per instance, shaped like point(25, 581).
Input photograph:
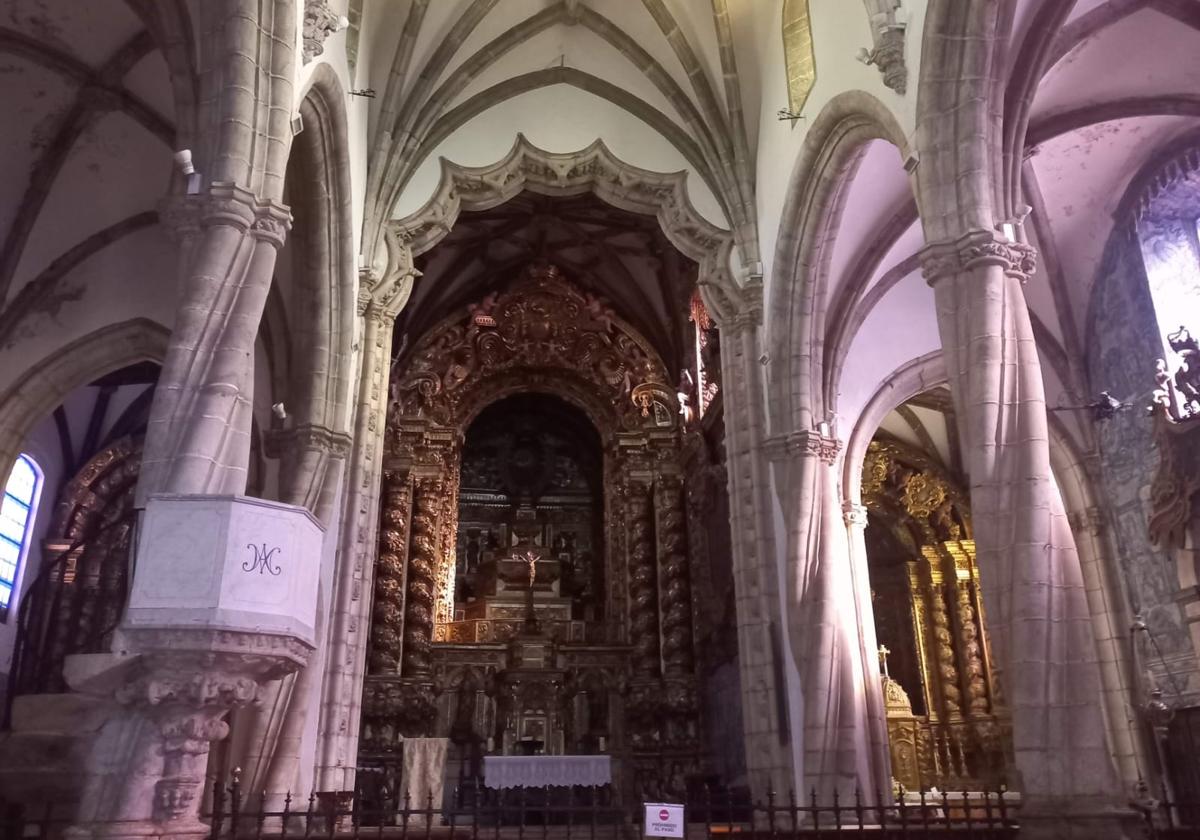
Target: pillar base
point(140, 830)
point(1076, 819)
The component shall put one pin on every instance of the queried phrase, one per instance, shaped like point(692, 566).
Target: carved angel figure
point(1187, 377)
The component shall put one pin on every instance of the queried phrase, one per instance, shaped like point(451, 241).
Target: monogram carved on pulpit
point(261, 560)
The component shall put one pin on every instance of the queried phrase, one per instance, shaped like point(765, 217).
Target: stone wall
point(1122, 345)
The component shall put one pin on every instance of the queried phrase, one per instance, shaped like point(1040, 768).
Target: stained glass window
point(16, 525)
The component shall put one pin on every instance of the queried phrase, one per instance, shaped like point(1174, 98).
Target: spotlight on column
point(183, 160)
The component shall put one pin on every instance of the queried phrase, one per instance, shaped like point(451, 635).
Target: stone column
point(198, 437)
point(312, 460)
point(836, 749)
point(675, 590)
point(1041, 635)
point(381, 296)
point(1096, 555)
point(855, 517)
point(756, 576)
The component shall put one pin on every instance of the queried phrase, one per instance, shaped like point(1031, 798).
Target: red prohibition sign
point(664, 815)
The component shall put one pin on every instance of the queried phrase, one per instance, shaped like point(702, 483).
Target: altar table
point(506, 771)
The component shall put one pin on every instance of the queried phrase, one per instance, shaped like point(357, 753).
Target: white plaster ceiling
point(927, 423)
point(449, 73)
point(78, 162)
point(1146, 53)
point(1101, 112)
point(877, 193)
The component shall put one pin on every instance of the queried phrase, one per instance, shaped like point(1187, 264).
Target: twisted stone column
point(675, 580)
point(422, 571)
point(838, 757)
point(643, 582)
point(198, 435)
point(1041, 633)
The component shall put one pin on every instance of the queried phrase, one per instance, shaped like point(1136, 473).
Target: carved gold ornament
point(798, 57)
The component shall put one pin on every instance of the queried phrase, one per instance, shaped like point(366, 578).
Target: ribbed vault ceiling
point(85, 148)
point(669, 63)
point(620, 256)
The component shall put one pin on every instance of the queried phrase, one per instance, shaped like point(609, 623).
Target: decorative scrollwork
point(542, 323)
point(387, 625)
point(676, 583)
point(639, 518)
point(943, 651)
point(261, 560)
point(896, 475)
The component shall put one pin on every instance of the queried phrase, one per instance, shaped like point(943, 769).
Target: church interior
point(502, 415)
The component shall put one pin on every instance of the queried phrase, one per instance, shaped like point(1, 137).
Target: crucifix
point(531, 622)
point(883, 655)
point(530, 559)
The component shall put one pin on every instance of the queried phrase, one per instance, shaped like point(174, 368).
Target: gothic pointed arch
point(594, 169)
point(49, 382)
point(832, 149)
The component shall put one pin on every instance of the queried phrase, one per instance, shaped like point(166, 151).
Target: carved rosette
point(675, 581)
point(387, 625)
point(422, 568)
point(643, 585)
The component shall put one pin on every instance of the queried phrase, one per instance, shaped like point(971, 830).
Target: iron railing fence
point(71, 606)
point(1169, 817)
point(581, 813)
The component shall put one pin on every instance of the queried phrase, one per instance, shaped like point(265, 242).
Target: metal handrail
point(35, 590)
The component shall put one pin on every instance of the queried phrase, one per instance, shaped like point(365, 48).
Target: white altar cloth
point(505, 771)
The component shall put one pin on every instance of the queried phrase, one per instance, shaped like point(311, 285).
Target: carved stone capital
point(888, 55)
point(975, 249)
point(226, 204)
point(806, 444)
point(855, 515)
point(320, 21)
point(180, 217)
point(734, 309)
point(264, 655)
point(186, 682)
point(1090, 520)
point(306, 437)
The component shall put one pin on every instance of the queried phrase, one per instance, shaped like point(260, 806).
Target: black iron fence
point(591, 813)
point(473, 812)
point(580, 813)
